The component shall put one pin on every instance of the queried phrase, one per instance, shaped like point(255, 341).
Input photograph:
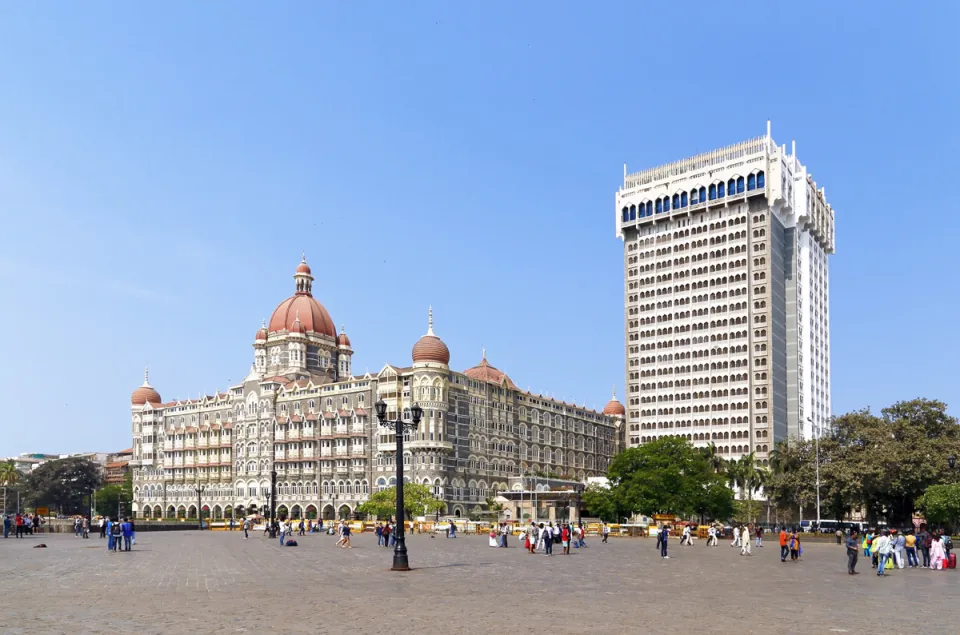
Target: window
point(649, 208)
point(702, 194)
point(626, 214)
point(713, 192)
point(751, 182)
point(659, 205)
point(666, 204)
point(720, 193)
point(633, 212)
point(760, 183)
point(676, 201)
point(683, 199)
point(731, 187)
point(740, 185)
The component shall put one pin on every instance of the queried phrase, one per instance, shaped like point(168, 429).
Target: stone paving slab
point(217, 582)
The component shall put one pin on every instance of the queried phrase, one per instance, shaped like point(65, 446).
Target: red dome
point(145, 393)
point(614, 407)
point(313, 317)
point(431, 348)
point(262, 333)
point(342, 339)
point(303, 267)
point(485, 372)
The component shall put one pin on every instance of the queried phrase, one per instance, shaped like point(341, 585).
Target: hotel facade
point(726, 299)
point(302, 412)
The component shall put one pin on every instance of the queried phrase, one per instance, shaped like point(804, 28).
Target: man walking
point(103, 527)
point(745, 541)
point(127, 529)
point(605, 530)
point(759, 536)
point(663, 542)
point(899, 550)
point(736, 537)
point(246, 528)
point(784, 549)
point(882, 547)
point(924, 539)
point(6, 526)
point(853, 552)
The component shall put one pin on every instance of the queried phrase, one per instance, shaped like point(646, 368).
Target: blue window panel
point(666, 204)
point(693, 197)
point(751, 182)
point(633, 212)
point(626, 215)
point(683, 200)
point(649, 208)
point(676, 201)
point(740, 185)
point(731, 187)
point(719, 190)
point(713, 192)
point(760, 180)
point(702, 194)
point(659, 206)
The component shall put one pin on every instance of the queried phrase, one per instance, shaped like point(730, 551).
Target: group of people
point(81, 527)
point(386, 534)
point(121, 533)
point(498, 535)
point(543, 537)
point(21, 525)
point(889, 548)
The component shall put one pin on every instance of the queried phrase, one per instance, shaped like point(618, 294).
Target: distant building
point(117, 467)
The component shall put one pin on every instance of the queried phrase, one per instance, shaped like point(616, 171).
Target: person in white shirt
point(736, 537)
point(883, 547)
point(745, 541)
point(283, 532)
point(712, 536)
point(685, 538)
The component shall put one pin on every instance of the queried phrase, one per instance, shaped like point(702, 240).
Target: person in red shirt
point(19, 526)
point(565, 539)
point(784, 550)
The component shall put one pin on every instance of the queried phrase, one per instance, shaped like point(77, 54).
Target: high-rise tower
point(726, 299)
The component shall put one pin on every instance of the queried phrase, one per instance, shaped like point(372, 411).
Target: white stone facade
point(726, 299)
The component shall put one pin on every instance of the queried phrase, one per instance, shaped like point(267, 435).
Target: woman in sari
point(937, 553)
point(493, 537)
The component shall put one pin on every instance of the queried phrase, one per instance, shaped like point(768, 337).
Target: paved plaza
point(217, 582)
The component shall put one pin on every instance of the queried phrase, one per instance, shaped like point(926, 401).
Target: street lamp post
point(816, 439)
point(579, 489)
point(399, 426)
point(273, 501)
point(199, 489)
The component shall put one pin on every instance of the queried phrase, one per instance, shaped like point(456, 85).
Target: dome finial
point(430, 320)
point(146, 375)
point(614, 391)
point(342, 329)
point(303, 256)
point(484, 353)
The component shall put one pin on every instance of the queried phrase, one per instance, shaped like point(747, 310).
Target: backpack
point(947, 542)
point(290, 543)
point(115, 530)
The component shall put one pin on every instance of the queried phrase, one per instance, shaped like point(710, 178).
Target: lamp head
point(417, 413)
point(381, 408)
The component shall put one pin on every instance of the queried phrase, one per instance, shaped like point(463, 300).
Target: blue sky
point(161, 169)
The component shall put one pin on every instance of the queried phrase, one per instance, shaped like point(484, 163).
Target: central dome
point(313, 318)
point(485, 372)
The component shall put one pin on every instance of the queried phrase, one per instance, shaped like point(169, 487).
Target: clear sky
point(161, 170)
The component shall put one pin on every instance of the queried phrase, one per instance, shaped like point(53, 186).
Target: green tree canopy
point(108, 498)
point(883, 464)
point(63, 484)
point(941, 504)
point(667, 476)
point(9, 475)
point(418, 500)
point(600, 502)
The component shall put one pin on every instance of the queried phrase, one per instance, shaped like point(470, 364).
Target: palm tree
point(717, 462)
point(9, 475)
point(751, 476)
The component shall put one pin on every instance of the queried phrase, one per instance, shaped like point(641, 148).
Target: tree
point(600, 502)
point(941, 504)
point(108, 497)
point(63, 484)
point(667, 476)
point(748, 476)
point(418, 500)
point(9, 474)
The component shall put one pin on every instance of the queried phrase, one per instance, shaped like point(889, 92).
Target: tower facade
point(726, 299)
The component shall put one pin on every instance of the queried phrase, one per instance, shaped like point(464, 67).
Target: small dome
point(297, 326)
point(145, 393)
point(614, 407)
point(431, 348)
point(342, 339)
point(303, 267)
point(262, 333)
point(485, 372)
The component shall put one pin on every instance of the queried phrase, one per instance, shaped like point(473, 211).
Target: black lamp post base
point(400, 562)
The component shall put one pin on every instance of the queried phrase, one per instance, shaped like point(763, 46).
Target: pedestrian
point(839, 535)
point(127, 529)
point(103, 527)
point(116, 534)
point(853, 552)
point(937, 553)
point(759, 536)
point(379, 532)
point(565, 539)
point(924, 542)
point(784, 549)
point(711, 536)
point(663, 542)
point(346, 537)
point(605, 532)
point(386, 535)
point(19, 526)
point(303, 528)
point(685, 536)
point(554, 536)
point(659, 538)
point(794, 545)
point(246, 528)
point(899, 550)
point(453, 530)
point(547, 539)
point(745, 541)
point(736, 537)
point(283, 532)
point(910, 542)
point(6, 526)
point(882, 547)
point(85, 527)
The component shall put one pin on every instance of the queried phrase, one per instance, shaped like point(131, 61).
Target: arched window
point(633, 212)
point(683, 199)
point(713, 192)
point(751, 182)
point(720, 193)
point(626, 214)
point(676, 201)
point(760, 182)
point(659, 205)
point(731, 187)
point(650, 206)
point(666, 203)
point(702, 194)
point(740, 185)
